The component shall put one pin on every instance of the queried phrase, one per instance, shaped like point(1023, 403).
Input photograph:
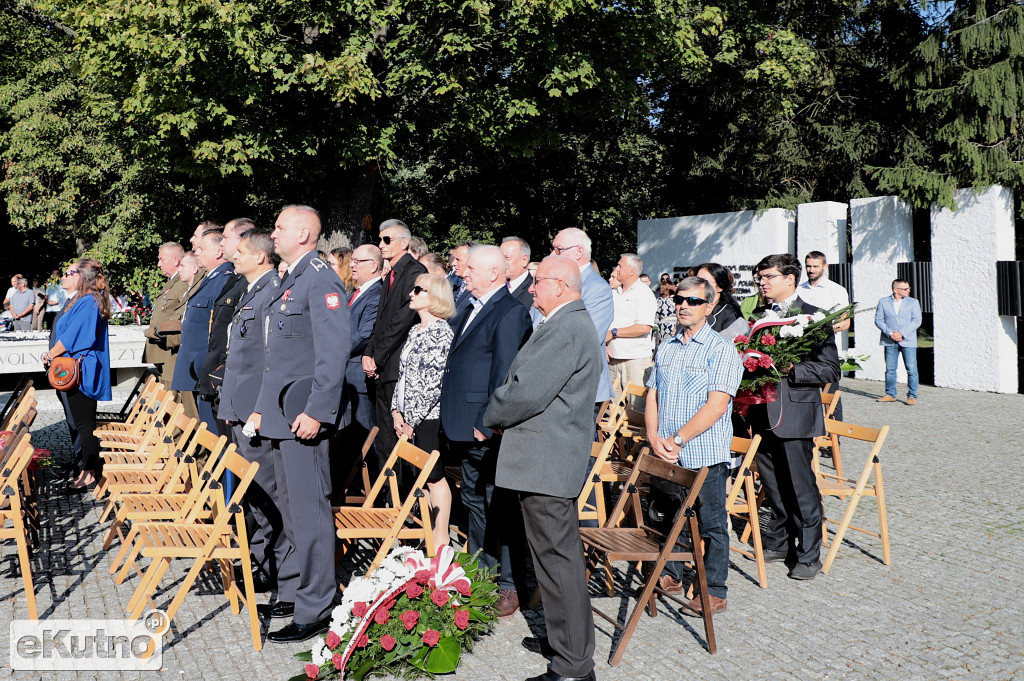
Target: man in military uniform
point(255, 260)
point(162, 349)
point(307, 342)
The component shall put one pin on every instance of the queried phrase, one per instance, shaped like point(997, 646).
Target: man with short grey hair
point(23, 301)
point(596, 295)
point(517, 257)
point(630, 341)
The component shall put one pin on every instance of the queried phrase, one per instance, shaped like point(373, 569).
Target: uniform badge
point(286, 295)
point(317, 264)
point(333, 301)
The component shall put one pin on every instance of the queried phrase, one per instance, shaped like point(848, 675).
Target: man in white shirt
point(828, 296)
point(630, 341)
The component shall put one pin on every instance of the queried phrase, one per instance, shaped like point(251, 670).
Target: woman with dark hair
point(81, 333)
point(340, 261)
point(725, 310)
point(666, 316)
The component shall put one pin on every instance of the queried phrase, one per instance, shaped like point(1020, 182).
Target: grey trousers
point(267, 541)
point(552, 529)
point(306, 573)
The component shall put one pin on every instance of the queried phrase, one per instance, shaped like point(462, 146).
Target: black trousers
point(552, 530)
point(83, 412)
point(792, 493)
point(386, 437)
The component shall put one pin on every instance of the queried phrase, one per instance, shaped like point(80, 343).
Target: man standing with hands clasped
point(545, 408)
point(898, 317)
point(696, 374)
point(308, 338)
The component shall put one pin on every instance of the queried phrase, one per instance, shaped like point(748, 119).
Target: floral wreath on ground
point(410, 617)
point(773, 343)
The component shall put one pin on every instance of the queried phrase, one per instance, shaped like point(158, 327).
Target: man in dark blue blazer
point(517, 257)
point(195, 325)
point(366, 265)
point(488, 335)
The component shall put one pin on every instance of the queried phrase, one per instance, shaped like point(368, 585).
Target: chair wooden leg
point(851, 507)
point(130, 561)
point(186, 585)
point(26, 573)
point(126, 546)
point(702, 580)
point(883, 522)
point(250, 604)
point(147, 586)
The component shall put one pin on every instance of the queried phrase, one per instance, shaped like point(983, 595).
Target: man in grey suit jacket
point(898, 317)
point(545, 409)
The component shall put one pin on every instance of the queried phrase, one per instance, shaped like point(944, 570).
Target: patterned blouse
point(666, 317)
point(421, 368)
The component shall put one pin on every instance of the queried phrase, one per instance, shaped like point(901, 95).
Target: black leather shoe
point(260, 583)
point(551, 676)
point(293, 633)
point(539, 645)
point(775, 556)
point(805, 571)
point(276, 611)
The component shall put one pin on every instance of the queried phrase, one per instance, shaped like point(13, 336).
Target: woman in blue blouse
point(416, 406)
point(81, 332)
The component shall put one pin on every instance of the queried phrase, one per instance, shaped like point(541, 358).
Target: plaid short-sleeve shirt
point(684, 373)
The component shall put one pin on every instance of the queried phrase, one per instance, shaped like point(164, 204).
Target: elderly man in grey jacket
point(545, 409)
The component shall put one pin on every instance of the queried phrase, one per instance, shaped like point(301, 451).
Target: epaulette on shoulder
point(318, 264)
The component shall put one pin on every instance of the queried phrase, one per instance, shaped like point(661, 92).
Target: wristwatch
point(678, 439)
point(615, 333)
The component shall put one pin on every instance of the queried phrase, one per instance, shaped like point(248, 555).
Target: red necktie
point(391, 281)
point(352, 298)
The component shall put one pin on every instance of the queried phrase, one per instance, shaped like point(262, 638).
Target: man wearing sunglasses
point(696, 374)
point(788, 427)
point(394, 320)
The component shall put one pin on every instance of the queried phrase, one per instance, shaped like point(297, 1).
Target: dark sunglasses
point(692, 301)
point(416, 290)
point(70, 273)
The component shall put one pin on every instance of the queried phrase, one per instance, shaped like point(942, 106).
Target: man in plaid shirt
point(696, 374)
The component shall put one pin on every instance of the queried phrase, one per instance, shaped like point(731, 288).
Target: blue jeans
point(713, 525)
point(892, 353)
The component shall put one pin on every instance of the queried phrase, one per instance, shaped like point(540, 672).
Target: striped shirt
point(684, 373)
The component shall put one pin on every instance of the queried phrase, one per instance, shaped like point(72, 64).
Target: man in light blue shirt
point(898, 318)
point(696, 374)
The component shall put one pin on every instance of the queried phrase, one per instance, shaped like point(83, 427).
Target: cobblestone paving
point(950, 606)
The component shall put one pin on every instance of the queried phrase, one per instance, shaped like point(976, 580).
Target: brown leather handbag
point(65, 373)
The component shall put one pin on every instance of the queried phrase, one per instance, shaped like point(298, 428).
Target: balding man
point(394, 320)
point(212, 375)
point(630, 341)
point(298, 408)
point(488, 334)
point(545, 409)
point(164, 333)
point(596, 295)
point(517, 257)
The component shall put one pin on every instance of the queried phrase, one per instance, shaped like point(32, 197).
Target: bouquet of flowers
point(850, 360)
point(411, 617)
point(773, 343)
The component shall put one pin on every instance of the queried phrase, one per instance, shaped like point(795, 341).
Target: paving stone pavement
point(950, 605)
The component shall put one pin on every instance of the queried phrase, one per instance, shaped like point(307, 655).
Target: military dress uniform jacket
point(223, 310)
point(169, 305)
point(308, 335)
point(246, 352)
point(195, 328)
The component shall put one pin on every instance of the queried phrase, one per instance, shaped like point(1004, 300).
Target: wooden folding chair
point(12, 511)
point(868, 484)
point(829, 402)
point(359, 468)
point(146, 384)
point(17, 397)
point(743, 503)
point(389, 524)
point(220, 541)
point(159, 416)
point(643, 543)
point(143, 412)
point(175, 433)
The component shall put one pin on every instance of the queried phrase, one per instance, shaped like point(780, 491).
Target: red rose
point(740, 339)
point(332, 640)
point(422, 576)
point(337, 660)
point(362, 641)
point(359, 609)
point(409, 619)
point(387, 642)
point(312, 671)
point(768, 339)
point(413, 590)
point(381, 616)
point(764, 362)
point(750, 364)
point(439, 598)
point(462, 586)
point(462, 619)
point(431, 637)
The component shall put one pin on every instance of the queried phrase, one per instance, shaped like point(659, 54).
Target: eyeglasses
point(416, 290)
point(900, 288)
point(546, 279)
point(358, 260)
point(561, 249)
point(70, 273)
point(758, 278)
point(691, 301)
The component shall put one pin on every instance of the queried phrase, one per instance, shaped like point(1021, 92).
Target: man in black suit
point(545, 408)
point(394, 320)
point(488, 334)
point(517, 257)
point(788, 426)
point(212, 375)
